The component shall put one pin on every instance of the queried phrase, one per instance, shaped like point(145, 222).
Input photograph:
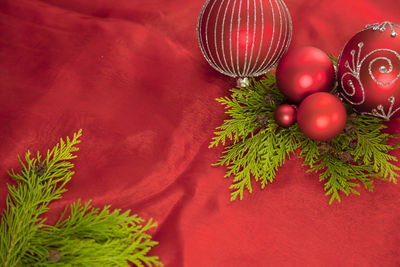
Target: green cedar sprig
point(86, 237)
point(255, 146)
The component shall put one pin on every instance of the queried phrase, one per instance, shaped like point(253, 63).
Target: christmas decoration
point(369, 71)
point(285, 115)
point(86, 237)
point(258, 146)
point(324, 147)
point(244, 39)
point(303, 71)
point(321, 116)
point(262, 120)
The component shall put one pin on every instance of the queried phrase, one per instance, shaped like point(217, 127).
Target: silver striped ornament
point(244, 38)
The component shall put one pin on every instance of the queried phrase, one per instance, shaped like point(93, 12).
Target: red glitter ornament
point(285, 115)
point(369, 71)
point(321, 116)
point(304, 71)
point(244, 38)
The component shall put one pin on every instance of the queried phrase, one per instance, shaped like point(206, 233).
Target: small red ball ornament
point(244, 38)
point(304, 71)
point(369, 71)
point(285, 115)
point(321, 116)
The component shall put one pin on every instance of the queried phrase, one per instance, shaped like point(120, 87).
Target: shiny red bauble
point(285, 115)
point(321, 116)
point(369, 71)
point(304, 71)
point(244, 38)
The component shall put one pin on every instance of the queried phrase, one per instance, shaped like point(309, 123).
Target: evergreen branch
point(256, 151)
point(373, 148)
point(29, 198)
point(87, 237)
point(90, 237)
point(258, 147)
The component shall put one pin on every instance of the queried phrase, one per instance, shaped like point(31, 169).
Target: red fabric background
point(130, 73)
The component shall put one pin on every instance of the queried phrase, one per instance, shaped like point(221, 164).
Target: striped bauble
point(244, 38)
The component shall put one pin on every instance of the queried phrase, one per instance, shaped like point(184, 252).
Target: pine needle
point(255, 146)
point(87, 237)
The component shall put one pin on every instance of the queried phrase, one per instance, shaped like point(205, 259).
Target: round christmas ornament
point(285, 115)
point(244, 38)
point(304, 71)
point(369, 71)
point(321, 116)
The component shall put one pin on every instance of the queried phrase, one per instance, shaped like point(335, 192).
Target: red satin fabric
point(130, 73)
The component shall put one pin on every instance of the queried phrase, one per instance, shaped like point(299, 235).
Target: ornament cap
point(243, 82)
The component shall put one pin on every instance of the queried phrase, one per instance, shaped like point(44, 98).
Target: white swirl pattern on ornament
point(383, 69)
point(382, 27)
point(355, 73)
point(380, 112)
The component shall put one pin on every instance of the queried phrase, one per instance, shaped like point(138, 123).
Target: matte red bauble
point(321, 116)
point(369, 71)
point(285, 115)
point(244, 38)
point(304, 71)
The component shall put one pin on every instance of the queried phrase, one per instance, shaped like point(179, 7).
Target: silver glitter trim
point(219, 59)
point(222, 37)
point(237, 38)
point(247, 39)
point(246, 69)
point(201, 41)
point(354, 71)
point(288, 36)
point(260, 68)
point(382, 27)
point(383, 69)
point(380, 112)
point(230, 40)
point(207, 43)
point(215, 37)
point(262, 36)
point(286, 19)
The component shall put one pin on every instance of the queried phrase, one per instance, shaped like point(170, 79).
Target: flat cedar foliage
point(255, 146)
point(86, 237)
